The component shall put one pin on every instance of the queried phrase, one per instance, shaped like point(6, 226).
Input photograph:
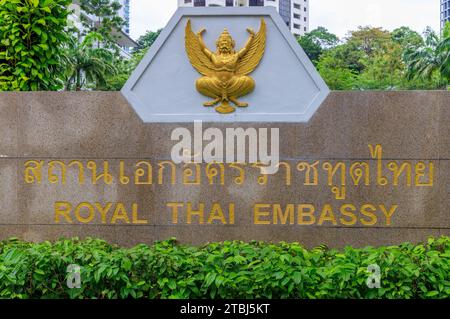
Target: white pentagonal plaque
point(287, 88)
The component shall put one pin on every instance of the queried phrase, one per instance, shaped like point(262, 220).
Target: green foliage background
point(376, 59)
point(31, 33)
point(222, 270)
point(41, 50)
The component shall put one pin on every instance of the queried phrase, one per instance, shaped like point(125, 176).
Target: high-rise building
point(295, 13)
point(125, 14)
point(445, 12)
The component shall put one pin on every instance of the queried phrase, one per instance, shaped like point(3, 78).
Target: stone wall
point(402, 138)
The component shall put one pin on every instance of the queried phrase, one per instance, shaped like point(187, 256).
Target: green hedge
point(222, 270)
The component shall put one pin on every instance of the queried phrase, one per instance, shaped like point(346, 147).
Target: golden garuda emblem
point(225, 72)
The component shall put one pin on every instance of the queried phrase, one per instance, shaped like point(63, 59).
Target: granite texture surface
point(100, 133)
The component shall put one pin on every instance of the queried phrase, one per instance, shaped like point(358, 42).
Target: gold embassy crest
point(225, 72)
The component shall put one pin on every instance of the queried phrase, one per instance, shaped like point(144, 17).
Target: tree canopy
point(316, 42)
point(145, 41)
point(376, 59)
point(39, 50)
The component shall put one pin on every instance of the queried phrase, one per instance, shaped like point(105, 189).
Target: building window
point(285, 11)
point(256, 3)
point(199, 3)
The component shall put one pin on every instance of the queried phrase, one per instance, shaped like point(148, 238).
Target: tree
point(87, 65)
point(383, 70)
point(146, 41)
point(314, 43)
point(126, 66)
point(405, 37)
point(107, 19)
point(380, 62)
point(335, 71)
point(372, 58)
point(432, 58)
point(369, 39)
point(31, 34)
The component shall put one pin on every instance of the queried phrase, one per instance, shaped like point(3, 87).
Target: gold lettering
point(63, 209)
point(398, 171)
point(135, 214)
point(122, 177)
point(306, 210)
point(52, 177)
point(376, 152)
point(258, 213)
point(215, 170)
point(339, 188)
point(287, 168)
point(333, 170)
point(120, 213)
point(327, 215)
point(33, 173)
point(90, 209)
point(175, 207)
point(106, 176)
point(369, 210)
point(302, 166)
point(173, 172)
point(284, 216)
point(216, 214)
point(348, 211)
point(200, 213)
point(262, 178)
point(420, 173)
point(339, 192)
point(360, 171)
point(103, 211)
point(239, 180)
point(388, 214)
point(189, 177)
point(231, 212)
point(145, 173)
point(80, 171)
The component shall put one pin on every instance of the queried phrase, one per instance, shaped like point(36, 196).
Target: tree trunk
point(78, 81)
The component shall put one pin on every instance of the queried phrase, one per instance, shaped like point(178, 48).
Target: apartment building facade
point(125, 14)
point(295, 13)
point(445, 12)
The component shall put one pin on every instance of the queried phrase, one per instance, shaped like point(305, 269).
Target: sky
point(337, 16)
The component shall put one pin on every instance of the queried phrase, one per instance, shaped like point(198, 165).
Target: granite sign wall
point(361, 168)
point(369, 168)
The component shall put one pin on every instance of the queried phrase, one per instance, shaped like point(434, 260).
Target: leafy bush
point(31, 32)
point(222, 270)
